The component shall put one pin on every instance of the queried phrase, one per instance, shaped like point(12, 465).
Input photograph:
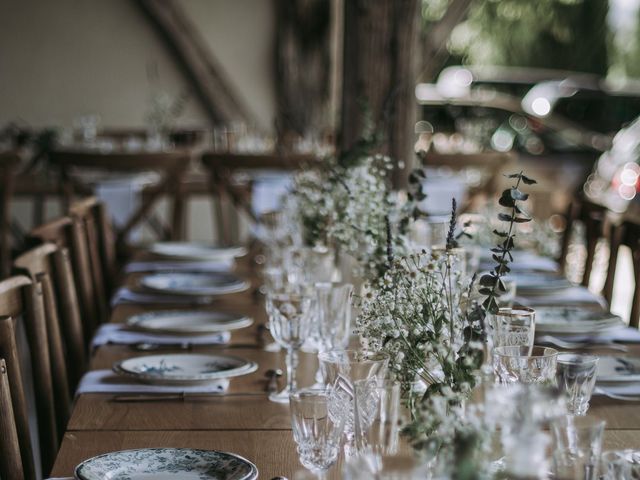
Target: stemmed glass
point(340, 370)
point(290, 324)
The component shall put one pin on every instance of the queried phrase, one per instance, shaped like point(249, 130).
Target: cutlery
point(558, 342)
point(150, 346)
point(615, 396)
point(181, 396)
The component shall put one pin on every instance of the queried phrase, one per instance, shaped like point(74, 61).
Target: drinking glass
point(576, 377)
point(380, 427)
point(340, 370)
point(306, 265)
point(535, 365)
point(333, 314)
point(513, 327)
point(578, 444)
point(332, 317)
point(315, 431)
point(620, 465)
point(290, 323)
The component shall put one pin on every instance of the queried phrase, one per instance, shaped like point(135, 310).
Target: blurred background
point(469, 89)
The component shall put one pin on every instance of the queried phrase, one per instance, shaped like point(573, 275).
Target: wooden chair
point(628, 234)
point(597, 221)
point(222, 166)
point(69, 233)
point(172, 165)
point(100, 242)
point(10, 457)
point(9, 162)
point(50, 265)
point(22, 300)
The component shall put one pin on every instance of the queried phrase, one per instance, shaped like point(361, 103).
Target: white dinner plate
point(616, 369)
point(168, 464)
point(183, 368)
point(571, 319)
point(187, 322)
point(204, 284)
point(195, 251)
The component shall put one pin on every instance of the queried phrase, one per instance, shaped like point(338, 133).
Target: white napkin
point(164, 266)
point(126, 295)
point(106, 381)
point(122, 195)
point(114, 333)
point(565, 296)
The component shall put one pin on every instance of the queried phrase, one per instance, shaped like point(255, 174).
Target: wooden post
point(380, 71)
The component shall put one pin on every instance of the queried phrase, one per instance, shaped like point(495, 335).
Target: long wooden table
point(250, 425)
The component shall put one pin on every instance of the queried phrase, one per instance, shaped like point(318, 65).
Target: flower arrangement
point(350, 206)
point(421, 312)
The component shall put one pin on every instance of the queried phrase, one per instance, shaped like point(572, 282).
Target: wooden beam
point(190, 51)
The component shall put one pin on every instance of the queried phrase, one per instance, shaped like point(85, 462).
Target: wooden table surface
point(251, 425)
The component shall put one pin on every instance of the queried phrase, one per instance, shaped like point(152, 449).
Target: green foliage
point(560, 34)
point(491, 283)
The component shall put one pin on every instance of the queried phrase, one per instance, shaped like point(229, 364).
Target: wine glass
point(290, 323)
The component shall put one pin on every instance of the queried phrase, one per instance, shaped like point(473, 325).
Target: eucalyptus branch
point(491, 284)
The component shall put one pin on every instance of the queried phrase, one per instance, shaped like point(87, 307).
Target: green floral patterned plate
point(183, 368)
point(166, 463)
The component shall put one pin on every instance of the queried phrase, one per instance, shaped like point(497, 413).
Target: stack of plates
point(195, 251)
point(167, 463)
point(187, 322)
point(574, 320)
point(183, 369)
point(194, 284)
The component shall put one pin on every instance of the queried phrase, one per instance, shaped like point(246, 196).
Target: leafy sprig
point(491, 284)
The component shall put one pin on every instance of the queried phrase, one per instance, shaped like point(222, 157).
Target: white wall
point(63, 58)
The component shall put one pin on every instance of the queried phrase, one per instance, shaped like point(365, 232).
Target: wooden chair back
point(221, 167)
point(49, 264)
point(9, 162)
point(597, 221)
point(10, 458)
point(172, 165)
point(100, 242)
point(628, 234)
point(22, 300)
point(69, 233)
